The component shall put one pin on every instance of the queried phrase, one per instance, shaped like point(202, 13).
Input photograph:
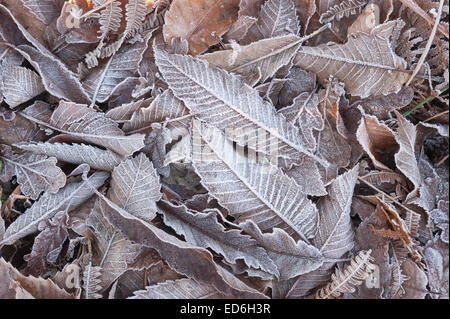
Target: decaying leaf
point(200, 22)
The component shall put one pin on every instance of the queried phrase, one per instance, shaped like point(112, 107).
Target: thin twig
point(442, 161)
point(429, 43)
point(436, 116)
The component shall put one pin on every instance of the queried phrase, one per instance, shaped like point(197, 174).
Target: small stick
point(435, 116)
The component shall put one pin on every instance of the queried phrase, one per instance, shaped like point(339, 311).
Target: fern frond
point(91, 282)
point(345, 8)
point(345, 280)
point(110, 18)
point(412, 223)
point(135, 15)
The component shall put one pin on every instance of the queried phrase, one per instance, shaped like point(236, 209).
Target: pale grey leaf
point(184, 288)
point(292, 258)
point(335, 234)
point(276, 18)
point(84, 124)
point(49, 204)
point(135, 187)
point(35, 173)
point(124, 112)
point(224, 101)
point(204, 230)
point(305, 114)
point(164, 108)
point(112, 251)
point(95, 157)
point(58, 80)
point(44, 10)
point(251, 188)
point(366, 64)
point(266, 56)
point(345, 8)
point(19, 84)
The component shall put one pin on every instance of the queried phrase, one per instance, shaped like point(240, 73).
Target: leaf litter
point(224, 149)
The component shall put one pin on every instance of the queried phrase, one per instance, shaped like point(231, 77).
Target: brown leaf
point(30, 287)
point(200, 22)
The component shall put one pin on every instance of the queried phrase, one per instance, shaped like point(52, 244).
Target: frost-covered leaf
point(200, 22)
point(238, 109)
point(56, 77)
point(102, 80)
point(44, 10)
point(84, 124)
point(35, 173)
point(334, 235)
point(195, 262)
point(112, 251)
point(49, 204)
point(305, 114)
point(14, 285)
point(366, 64)
point(164, 108)
point(292, 258)
point(265, 57)
point(47, 245)
point(204, 230)
point(276, 18)
point(135, 187)
point(178, 289)
point(343, 9)
point(95, 157)
point(251, 189)
point(19, 84)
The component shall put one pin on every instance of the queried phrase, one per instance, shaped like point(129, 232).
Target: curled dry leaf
point(15, 285)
